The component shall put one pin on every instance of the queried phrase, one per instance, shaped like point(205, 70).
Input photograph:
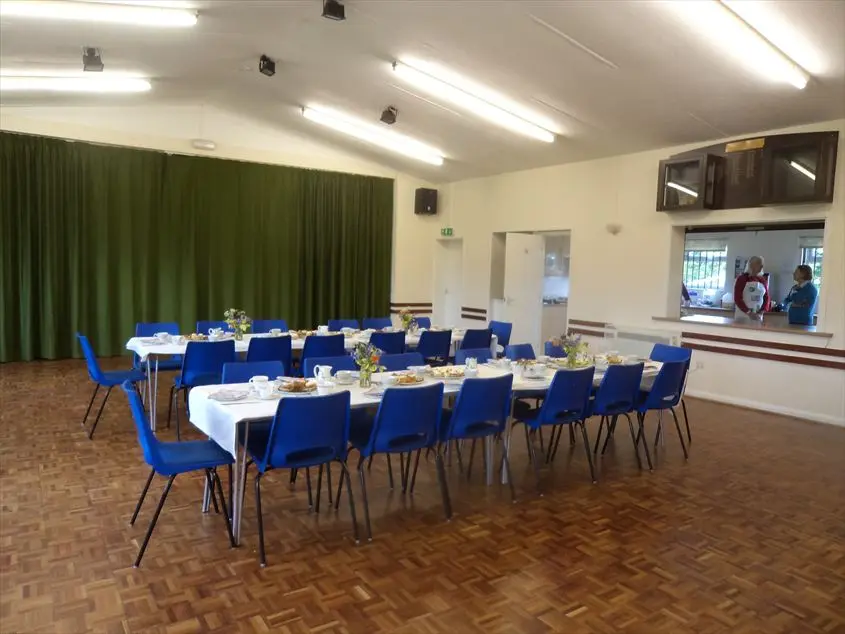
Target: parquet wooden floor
point(748, 537)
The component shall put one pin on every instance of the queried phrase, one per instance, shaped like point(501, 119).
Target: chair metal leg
point(403, 474)
point(215, 477)
point(389, 470)
point(176, 408)
point(231, 489)
point(99, 413)
point(540, 434)
point(90, 403)
point(154, 520)
point(407, 471)
point(363, 479)
point(686, 420)
point(293, 473)
point(471, 456)
point(680, 435)
point(533, 455)
point(344, 475)
point(143, 495)
point(598, 436)
point(583, 427)
point(444, 487)
point(339, 490)
point(611, 427)
point(641, 436)
point(557, 442)
point(634, 440)
point(319, 488)
point(416, 466)
point(571, 438)
point(170, 405)
point(459, 455)
point(329, 481)
point(506, 467)
point(262, 558)
point(370, 463)
point(308, 484)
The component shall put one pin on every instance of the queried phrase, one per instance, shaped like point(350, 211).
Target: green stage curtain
point(95, 239)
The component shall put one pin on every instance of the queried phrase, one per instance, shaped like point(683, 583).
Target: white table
point(220, 421)
point(150, 353)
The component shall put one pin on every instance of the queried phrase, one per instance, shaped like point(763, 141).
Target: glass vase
point(239, 335)
point(366, 378)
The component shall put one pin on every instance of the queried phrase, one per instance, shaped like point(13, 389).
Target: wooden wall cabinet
point(690, 183)
point(799, 168)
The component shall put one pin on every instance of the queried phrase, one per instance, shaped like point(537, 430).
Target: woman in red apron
point(751, 295)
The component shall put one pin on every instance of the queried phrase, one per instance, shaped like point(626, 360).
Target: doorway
point(448, 281)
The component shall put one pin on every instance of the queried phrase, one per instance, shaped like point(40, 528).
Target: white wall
point(779, 249)
point(628, 278)
point(171, 127)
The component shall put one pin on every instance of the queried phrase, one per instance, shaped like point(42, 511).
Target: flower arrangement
point(238, 321)
point(575, 349)
point(409, 322)
point(367, 358)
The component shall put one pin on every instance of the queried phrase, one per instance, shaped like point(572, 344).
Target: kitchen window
point(705, 264)
point(812, 253)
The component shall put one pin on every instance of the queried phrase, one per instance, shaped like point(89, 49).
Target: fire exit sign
point(446, 231)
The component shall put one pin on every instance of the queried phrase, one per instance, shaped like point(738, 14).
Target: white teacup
point(516, 369)
point(344, 377)
point(163, 337)
point(471, 363)
point(471, 373)
point(276, 332)
point(323, 372)
point(534, 370)
point(322, 330)
point(388, 379)
point(215, 333)
point(264, 390)
point(504, 363)
point(259, 381)
point(177, 340)
point(324, 389)
point(418, 370)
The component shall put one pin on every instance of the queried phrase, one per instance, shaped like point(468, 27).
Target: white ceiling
point(662, 83)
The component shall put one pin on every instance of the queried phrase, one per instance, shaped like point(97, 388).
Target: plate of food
point(229, 396)
point(301, 334)
point(449, 373)
point(151, 341)
point(298, 386)
point(408, 379)
point(196, 336)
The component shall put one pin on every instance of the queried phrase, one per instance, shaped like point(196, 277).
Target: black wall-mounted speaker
point(425, 202)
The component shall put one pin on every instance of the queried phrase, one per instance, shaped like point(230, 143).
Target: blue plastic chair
point(171, 459)
point(408, 420)
point(661, 352)
point(435, 346)
point(482, 354)
point(107, 380)
point(664, 394)
point(616, 396)
point(519, 351)
point(343, 362)
point(148, 329)
point(306, 432)
point(553, 351)
point(271, 349)
point(423, 322)
point(321, 346)
point(242, 372)
point(389, 342)
point(567, 402)
point(203, 365)
point(480, 338)
point(261, 326)
point(203, 326)
point(336, 325)
point(396, 362)
point(502, 330)
point(377, 323)
point(481, 410)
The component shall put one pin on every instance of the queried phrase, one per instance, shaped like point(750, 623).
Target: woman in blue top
point(802, 298)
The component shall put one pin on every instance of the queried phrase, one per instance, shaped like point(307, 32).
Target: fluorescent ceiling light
point(681, 188)
point(717, 21)
point(97, 84)
point(374, 134)
point(802, 169)
point(99, 12)
point(478, 100)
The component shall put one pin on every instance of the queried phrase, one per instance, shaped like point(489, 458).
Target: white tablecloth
point(219, 421)
point(141, 347)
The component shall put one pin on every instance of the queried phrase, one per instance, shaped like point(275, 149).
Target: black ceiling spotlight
point(334, 10)
point(389, 115)
point(91, 60)
point(266, 66)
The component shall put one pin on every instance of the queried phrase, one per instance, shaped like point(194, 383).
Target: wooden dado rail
point(598, 329)
point(802, 354)
point(475, 314)
point(416, 308)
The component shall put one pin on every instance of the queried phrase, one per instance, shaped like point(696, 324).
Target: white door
point(448, 268)
point(524, 266)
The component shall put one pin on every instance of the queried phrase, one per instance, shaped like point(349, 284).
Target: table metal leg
point(506, 439)
point(489, 469)
point(206, 497)
point(150, 402)
point(240, 485)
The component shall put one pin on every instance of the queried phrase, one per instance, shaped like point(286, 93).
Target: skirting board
point(765, 407)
